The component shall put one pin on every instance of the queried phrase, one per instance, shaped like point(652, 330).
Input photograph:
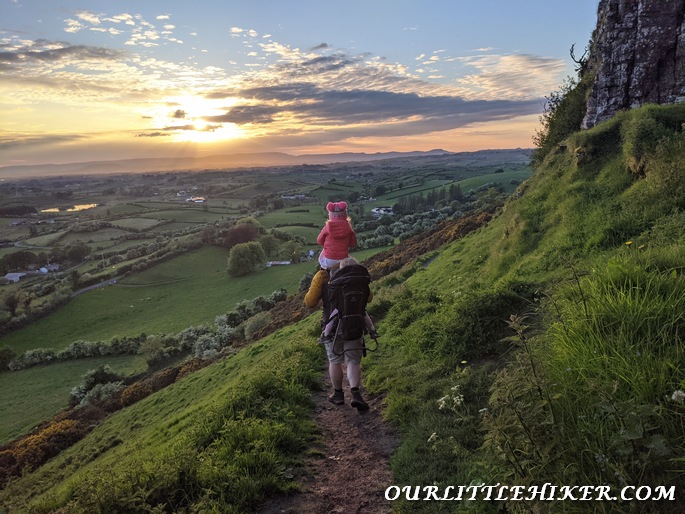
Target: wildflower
point(628, 243)
point(434, 437)
point(640, 247)
point(442, 402)
point(678, 396)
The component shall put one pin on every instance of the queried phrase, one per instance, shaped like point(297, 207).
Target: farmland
point(168, 253)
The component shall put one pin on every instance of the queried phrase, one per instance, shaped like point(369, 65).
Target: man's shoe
point(357, 400)
point(325, 339)
point(338, 397)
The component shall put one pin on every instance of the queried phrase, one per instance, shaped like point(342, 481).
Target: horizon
point(129, 81)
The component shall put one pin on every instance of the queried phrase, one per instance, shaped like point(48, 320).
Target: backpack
point(348, 291)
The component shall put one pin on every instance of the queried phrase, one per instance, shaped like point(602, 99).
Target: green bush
point(256, 323)
point(245, 258)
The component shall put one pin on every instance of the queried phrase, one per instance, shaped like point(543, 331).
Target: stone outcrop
point(637, 56)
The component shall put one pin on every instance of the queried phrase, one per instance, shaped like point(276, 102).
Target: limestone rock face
point(638, 56)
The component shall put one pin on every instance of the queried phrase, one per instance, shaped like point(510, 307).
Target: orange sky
point(129, 79)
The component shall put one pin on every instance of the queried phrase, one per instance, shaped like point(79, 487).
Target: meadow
point(188, 290)
point(31, 395)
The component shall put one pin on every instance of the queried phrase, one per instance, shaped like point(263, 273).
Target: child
point(327, 335)
point(336, 237)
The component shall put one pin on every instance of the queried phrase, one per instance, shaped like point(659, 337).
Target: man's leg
point(336, 373)
point(354, 373)
point(354, 377)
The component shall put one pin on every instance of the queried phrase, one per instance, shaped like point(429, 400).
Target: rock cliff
point(637, 56)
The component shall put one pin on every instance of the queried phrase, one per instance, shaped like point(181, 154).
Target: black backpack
point(348, 291)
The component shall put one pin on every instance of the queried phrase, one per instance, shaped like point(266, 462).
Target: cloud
point(125, 18)
point(367, 110)
point(31, 53)
point(320, 46)
point(88, 17)
point(241, 115)
point(21, 139)
point(162, 17)
point(73, 26)
point(153, 134)
point(513, 76)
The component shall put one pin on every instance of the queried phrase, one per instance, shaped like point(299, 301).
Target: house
point(277, 263)
point(382, 211)
point(15, 277)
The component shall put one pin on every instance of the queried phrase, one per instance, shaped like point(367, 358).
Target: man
point(343, 355)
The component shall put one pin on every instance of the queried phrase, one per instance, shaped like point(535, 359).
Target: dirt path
point(351, 472)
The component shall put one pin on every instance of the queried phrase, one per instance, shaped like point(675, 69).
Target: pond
point(75, 208)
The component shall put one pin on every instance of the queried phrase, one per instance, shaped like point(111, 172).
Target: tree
point(245, 258)
point(77, 252)
point(74, 278)
point(269, 243)
point(564, 110)
point(290, 250)
point(11, 302)
point(241, 233)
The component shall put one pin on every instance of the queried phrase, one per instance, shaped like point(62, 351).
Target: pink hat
point(337, 210)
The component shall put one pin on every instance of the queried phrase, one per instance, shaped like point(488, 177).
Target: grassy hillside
point(580, 386)
point(217, 440)
point(545, 347)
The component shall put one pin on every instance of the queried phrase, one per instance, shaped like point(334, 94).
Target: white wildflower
point(678, 396)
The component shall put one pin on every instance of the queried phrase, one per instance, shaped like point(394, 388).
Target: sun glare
point(188, 118)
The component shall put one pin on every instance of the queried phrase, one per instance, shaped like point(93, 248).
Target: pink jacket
point(337, 237)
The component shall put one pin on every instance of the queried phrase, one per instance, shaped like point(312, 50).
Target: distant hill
point(232, 161)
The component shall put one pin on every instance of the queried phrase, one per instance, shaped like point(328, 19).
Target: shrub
point(206, 346)
point(256, 323)
point(96, 378)
point(6, 356)
point(191, 366)
point(134, 393)
point(100, 393)
point(34, 450)
point(245, 258)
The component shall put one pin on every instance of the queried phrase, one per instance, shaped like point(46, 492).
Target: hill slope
point(545, 347)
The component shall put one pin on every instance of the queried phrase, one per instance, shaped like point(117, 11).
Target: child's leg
point(329, 326)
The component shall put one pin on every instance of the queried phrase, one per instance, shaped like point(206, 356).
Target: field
point(189, 290)
point(31, 395)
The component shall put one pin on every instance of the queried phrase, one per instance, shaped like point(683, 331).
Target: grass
point(101, 236)
point(136, 223)
point(236, 427)
point(189, 290)
point(282, 217)
point(32, 395)
point(575, 389)
point(186, 214)
point(583, 394)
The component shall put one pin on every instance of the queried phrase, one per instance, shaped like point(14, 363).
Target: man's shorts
point(340, 351)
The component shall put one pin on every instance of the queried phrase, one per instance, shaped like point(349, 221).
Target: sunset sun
point(186, 119)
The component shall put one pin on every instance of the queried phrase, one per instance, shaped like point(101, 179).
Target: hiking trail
point(349, 470)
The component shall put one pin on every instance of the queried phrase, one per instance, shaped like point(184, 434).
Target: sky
point(93, 80)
